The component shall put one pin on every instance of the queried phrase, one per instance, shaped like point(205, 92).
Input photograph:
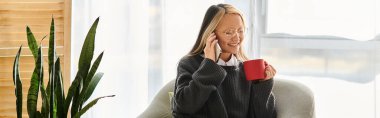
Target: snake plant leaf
point(91, 87)
point(87, 51)
point(89, 105)
point(32, 42)
point(38, 114)
point(60, 95)
point(53, 107)
point(84, 64)
point(76, 105)
point(52, 77)
point(34, 86)
point(48, 88)
point(72, 89)
point(17, 83)
point(51, 53)
point(93, 69)
point(45, 103)
point(45, 100)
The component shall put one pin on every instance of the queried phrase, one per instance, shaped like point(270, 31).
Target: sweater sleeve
point(262, 100)
point(194, 85)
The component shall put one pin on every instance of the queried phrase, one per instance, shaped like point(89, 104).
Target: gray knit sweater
point(204, 89)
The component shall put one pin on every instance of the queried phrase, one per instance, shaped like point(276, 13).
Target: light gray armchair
point(293, 100)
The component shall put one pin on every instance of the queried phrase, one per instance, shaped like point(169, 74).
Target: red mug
point(255, 69)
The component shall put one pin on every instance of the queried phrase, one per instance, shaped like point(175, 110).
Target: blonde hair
point(212, 18)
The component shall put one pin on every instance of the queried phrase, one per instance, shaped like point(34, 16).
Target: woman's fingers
point(268, 75)
point(270, 72)
point(210, 39)
point(273, 69)
point(214, 43)
point(209, 49)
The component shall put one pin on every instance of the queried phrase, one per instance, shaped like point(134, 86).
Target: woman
point(211, 87)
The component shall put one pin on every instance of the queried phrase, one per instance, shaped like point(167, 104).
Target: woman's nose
point(236, 37)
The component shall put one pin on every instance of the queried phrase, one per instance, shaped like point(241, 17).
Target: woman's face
point(230, 33)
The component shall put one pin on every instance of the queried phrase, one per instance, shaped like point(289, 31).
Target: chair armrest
point(293, 99)
point(160, 106)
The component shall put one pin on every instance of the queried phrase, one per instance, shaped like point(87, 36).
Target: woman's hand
point(210, 47)
point(269, 71)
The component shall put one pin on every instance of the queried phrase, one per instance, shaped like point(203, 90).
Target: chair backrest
point(293, 100)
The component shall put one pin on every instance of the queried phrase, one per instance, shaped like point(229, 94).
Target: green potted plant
point(54, 102)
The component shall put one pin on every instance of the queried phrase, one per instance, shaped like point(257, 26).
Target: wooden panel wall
point(15, 15)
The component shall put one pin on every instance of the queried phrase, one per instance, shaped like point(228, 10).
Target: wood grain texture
point(67, 42)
